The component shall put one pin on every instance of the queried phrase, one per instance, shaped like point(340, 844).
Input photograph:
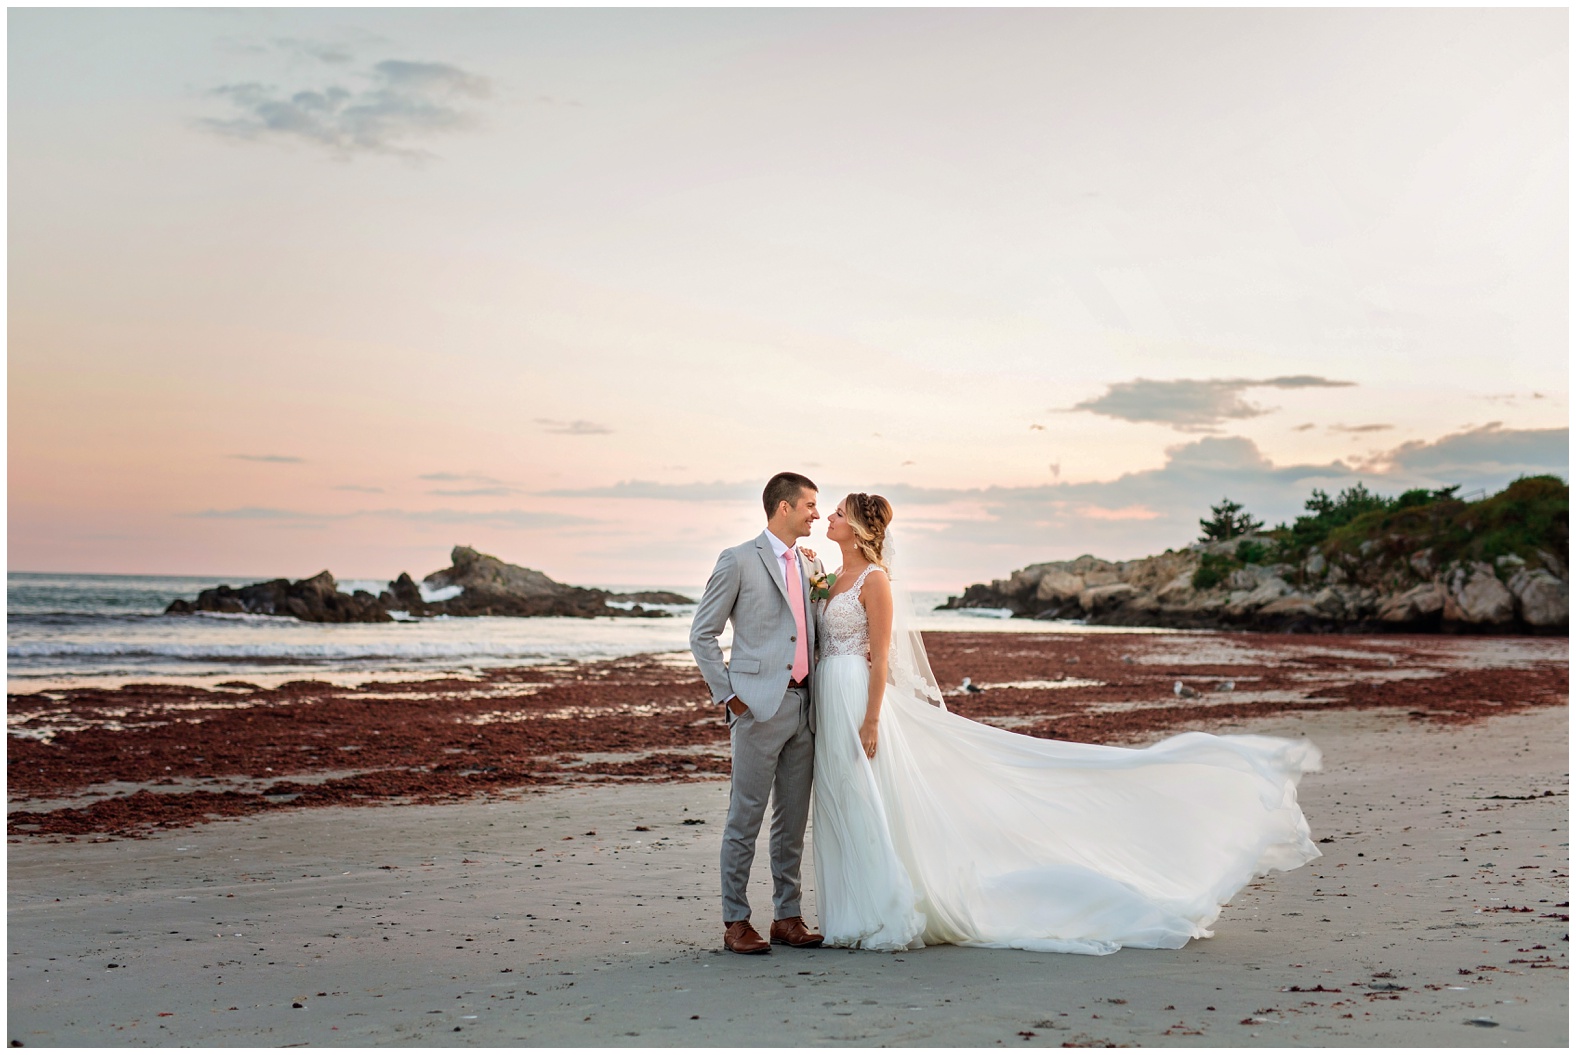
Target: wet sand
point(580, 909)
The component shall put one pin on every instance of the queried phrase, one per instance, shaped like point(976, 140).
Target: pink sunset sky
point(305, 289)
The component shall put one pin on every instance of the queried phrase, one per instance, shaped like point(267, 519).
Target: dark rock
point(489, 586)
point(653, 597)
point(403, 595)
point(981, 596)
point(486, 586)
point(314, 600)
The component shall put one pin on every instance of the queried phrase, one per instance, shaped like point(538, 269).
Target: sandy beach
point(579, 907)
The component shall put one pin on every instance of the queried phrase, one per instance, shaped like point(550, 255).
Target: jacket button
point(790, 666)
point(793, 637)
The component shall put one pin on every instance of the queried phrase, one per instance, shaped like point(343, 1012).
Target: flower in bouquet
point(821, 583)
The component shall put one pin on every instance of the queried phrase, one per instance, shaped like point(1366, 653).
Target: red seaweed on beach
point(198, 754)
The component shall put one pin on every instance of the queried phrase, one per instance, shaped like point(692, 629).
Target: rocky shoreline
point(475, 584)
point(1425, 562)
point(1351, 593)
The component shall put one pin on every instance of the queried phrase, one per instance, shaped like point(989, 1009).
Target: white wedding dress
point(966, 834)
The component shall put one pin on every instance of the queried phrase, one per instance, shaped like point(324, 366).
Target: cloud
point(398, 102)
point(453, 478)
point(1191, 406)
point(508, 518)
point(1360, 428)
point(253, 513)
point(282, 459)
point(333, 54)
point(476, 492)
point(1145, 512)
point(953, 536)
point(748, 491)
point(573, 428)
point(718, 491)
point(359, 489)
point(1475, 455)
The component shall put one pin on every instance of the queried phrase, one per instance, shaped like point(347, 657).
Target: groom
point(763, 586)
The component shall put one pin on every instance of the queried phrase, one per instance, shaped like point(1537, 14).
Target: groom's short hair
point(785, 487)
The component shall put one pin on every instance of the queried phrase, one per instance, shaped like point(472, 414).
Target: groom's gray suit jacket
point(747, 586)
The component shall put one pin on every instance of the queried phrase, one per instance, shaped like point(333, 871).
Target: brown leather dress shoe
point(741, 937)
point(792, 931)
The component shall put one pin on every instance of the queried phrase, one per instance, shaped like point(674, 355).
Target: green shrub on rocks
point(1529, 515)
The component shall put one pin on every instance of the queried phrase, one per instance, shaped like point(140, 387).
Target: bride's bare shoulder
point(876, 582)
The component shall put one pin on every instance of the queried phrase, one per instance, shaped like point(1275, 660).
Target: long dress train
point(959, 832)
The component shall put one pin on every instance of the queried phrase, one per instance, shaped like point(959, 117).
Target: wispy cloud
point(359, 489)
point(254, 513)
point(454, 478)
point(717, 491)
point(282, 459)
point(475, 492)
point(1189, 405)
point(398, 101)
point(573, 428)
point(509, 518)
point(1360, 428)
point(322, 51)
point(1487, 451)
point(1511, 397)
point(748, 491)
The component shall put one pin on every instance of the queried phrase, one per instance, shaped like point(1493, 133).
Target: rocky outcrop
point(1416, 605)
point(474, 584)
point(1474, 596)
point(489, 586)
point(314, 600)
point(1542, 600)
point(1369, 591)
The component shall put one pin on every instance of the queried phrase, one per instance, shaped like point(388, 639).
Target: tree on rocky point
point(1226, 521)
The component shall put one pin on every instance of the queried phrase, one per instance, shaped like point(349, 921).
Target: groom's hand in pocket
point(736, 707)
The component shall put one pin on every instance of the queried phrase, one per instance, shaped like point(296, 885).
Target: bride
point(934, 829)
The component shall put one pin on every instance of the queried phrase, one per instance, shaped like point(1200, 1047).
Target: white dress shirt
point(779, 547)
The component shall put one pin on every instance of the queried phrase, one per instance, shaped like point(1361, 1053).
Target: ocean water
point(111, 630)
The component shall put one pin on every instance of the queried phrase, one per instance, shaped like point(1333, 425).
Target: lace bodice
point(842, 628)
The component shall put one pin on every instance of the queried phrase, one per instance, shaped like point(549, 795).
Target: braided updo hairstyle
point(869, 516)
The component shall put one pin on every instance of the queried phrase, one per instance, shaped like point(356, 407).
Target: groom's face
point(802, 514)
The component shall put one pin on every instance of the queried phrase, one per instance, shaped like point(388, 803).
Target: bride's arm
point(877, 598)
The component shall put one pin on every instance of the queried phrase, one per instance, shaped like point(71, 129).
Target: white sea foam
point(372, 586)
point(432, 594)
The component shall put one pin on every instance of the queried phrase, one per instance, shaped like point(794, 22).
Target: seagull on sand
point(969, 686)
point(1184, 691)
point(1225, 686)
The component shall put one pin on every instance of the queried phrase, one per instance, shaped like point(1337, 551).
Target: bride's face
point(838, 529)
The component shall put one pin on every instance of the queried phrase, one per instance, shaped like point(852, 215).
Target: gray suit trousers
point(773, 758)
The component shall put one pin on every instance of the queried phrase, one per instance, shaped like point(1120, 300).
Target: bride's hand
point(809, 553)
point(867, 738)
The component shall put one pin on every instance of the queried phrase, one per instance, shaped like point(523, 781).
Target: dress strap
point(859, 583)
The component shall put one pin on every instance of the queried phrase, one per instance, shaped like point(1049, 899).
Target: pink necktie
point(801, 649)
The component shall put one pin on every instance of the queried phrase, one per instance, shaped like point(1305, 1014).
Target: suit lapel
point(769, 559)
point(809, 613)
